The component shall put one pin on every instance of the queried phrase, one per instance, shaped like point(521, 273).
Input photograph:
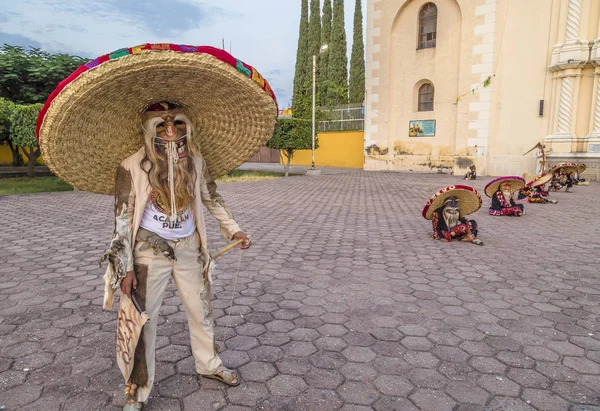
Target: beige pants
point(187, 274)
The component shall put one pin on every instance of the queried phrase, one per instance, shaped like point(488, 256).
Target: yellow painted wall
point(6, 156)
point(344, 149)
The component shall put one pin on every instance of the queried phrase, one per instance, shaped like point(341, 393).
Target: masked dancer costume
point(153, 125)
point(471, 173)
point(534, 192)
point(447, 210)
point(501, 191)
point(563, 175)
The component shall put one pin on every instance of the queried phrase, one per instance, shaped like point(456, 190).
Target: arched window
point(427, 26)
point(426, 97)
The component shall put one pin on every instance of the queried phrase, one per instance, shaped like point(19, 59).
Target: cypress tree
point(314, 30)
point(301, 76)
point(324, 58)
point(357, 60)
point(337, 70)
point(314, 43)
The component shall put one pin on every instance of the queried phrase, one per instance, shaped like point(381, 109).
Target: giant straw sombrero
point(581, 168)
point(540, 180)
point(566, 167)
point(469, 200)
point(92, 121)
point(516, 183)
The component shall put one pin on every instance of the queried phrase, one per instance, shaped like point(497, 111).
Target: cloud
point(158, 17)
point(18, 40)
point(272, 73)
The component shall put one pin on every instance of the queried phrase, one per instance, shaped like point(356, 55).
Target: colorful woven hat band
point(469, 200)
point(230, 108)
point(162, 106)
point(516, 183)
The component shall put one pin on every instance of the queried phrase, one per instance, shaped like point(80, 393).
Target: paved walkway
point(298, 170)
point(344, 302)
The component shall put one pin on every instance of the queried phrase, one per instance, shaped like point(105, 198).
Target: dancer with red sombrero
point(154, 125)
point(501, 191)
point(563, 176)
point(447, 210)
point(534, 191)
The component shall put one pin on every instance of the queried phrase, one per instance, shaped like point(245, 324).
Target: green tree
point(337, 70)
point(314, 41)
point(22, 132)
point(29, 76)
point(301, 76)
point(6, 109)
point(292, 134)
point(324, 57)
point(357, 59)
point(314, 30)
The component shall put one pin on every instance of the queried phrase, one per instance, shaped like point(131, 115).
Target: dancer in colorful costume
point(563, 176)
point(501, 191)
point(534, 191)
point(153, 125)
point(447, 210)
point(471, 173)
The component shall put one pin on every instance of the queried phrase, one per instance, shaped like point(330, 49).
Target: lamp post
point(314, 103)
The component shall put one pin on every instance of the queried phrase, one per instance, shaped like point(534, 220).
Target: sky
point(262, 33)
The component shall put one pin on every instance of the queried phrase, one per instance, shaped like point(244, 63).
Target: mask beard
point(184, 173)
point(507, 195)
point(451, 216)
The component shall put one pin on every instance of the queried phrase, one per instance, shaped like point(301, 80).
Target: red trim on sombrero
point(563, 165)
point(503, 178)
point(535, 181)
point(53, 95)
point(182, 48)
point(445, 190)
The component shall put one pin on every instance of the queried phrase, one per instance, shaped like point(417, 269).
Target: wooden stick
point(229, 247)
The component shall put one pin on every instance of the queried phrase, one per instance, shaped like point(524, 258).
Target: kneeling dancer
point(447, 210)
point(155, 124)
point(501, 191)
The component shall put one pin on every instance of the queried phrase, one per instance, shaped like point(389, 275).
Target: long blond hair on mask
point(156, 166)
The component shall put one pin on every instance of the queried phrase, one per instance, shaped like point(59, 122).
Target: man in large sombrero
point(501, 191)
point(447, 210)
point(564, 176)
point(534, 191)
point(153, 125)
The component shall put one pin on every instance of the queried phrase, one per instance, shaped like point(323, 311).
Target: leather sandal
point(225, 375)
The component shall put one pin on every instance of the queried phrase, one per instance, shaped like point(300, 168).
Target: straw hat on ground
point(516, 183)
point(92, 121)
point(469, 200)
point(540, 180)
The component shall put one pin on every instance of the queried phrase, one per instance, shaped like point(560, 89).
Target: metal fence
point(349, 117)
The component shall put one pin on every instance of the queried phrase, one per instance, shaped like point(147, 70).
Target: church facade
point(450, 83)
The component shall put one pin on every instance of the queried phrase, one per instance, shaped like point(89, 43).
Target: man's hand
point(240, 235)
point(128, 283)
point(469, 238)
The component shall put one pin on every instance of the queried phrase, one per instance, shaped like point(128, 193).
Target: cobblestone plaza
point(344, 302)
